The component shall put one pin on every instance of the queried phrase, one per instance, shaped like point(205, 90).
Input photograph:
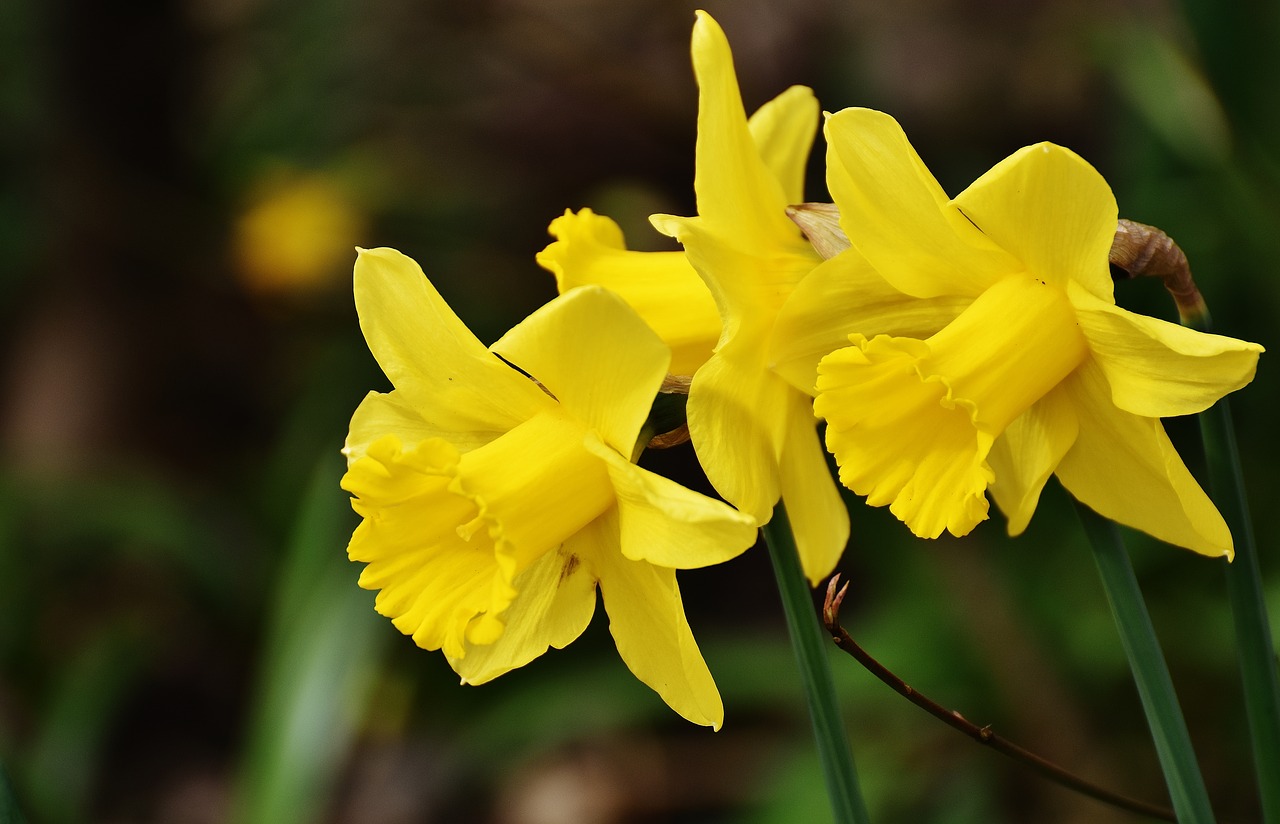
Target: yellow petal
point(749, 286)
point(381, 414)
point(646, 618)
point(433, 360)
point(734, 187)
point(819, 518)
point(897, 215)
point(783, 130)
point(595, 354)
point(661, 286)
point(433, 584)
point(666, 524)
point(1124, 467)
point(1160, 369)
point(1051, 210)
point(557, 596)
point(737, 421)
point(742, 243)
point(1026, 455)
point(841, 296)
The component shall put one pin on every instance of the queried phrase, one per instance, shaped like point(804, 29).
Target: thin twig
point(983, 735)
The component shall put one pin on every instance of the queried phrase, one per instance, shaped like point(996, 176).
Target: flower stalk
point(1248, 609)
point(1186, 786)
point(9, 812)
point(1145, 251)
point(815, 672)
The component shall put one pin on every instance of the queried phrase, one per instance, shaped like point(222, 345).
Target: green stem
point(9, 812)
point(810, 644)
point(1248, 609)
point(1187, 792)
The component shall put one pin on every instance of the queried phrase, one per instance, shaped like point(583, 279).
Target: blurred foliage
point(181, 638)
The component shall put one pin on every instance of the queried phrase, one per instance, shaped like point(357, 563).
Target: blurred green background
point(181, 186)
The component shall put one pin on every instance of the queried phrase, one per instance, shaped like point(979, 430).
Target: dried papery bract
point(820, 223)
point(1140, 250)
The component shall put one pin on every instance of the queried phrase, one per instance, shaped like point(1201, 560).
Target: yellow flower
point(755, 435)
point(493, 504)
point(297, 235)
point(661, 286)
point(1026, 368)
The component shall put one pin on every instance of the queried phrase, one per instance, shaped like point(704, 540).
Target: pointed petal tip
point(709, 45)
point(702, 18)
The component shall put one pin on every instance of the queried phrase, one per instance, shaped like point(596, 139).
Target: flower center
point(1013, 344)
point(911, 422)
point(446, 535)
point(534, 487)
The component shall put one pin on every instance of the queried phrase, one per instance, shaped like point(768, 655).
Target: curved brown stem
point(983, 735)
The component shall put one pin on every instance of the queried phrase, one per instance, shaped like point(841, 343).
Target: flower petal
point(1026, 455)
point(737, 418)
point(1050, 209)
point(898, 217)
point(667, 524)
point(749, 286)
point(557, 596)
point(783, 130)
point(595, 354)
point(433, 360)
point(661, 286)
point(742, 244)
point(819, 518)
point(1124, 467)
point(381, 414)
point(1159, 369)
point(733, 184)
point(841, 296)
point(646, 618)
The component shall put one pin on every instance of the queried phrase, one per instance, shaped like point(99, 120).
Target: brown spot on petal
point(570, 565)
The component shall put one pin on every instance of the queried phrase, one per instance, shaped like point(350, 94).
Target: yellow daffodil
point(1020, 366)
point(493, 505)
point(661, 286)
point(755, 435)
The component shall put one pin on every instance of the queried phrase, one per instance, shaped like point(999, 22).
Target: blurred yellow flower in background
point(1030, 368)
point(493, 505)
point(296, 235)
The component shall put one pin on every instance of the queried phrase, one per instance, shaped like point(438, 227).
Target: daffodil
point(1020, 365)
point(754, 434)
point(661, 286)
point(494, 504)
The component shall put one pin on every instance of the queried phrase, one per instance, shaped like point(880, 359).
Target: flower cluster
point(953, 346)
